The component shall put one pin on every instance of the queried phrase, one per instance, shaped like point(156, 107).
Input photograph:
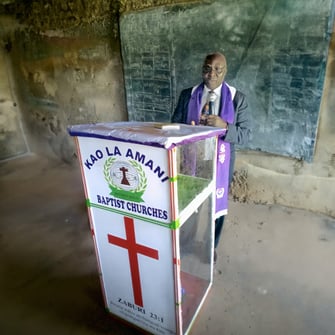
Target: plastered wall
point(52, 79)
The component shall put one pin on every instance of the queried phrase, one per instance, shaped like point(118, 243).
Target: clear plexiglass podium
point(149, 189)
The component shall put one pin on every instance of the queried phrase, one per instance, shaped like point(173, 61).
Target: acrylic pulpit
point(150, 192)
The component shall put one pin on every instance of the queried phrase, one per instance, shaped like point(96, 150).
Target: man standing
point(215, 103)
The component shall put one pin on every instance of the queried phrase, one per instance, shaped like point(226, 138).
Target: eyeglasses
point(208, 69)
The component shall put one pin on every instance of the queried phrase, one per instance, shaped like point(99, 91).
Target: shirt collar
point(217, 91)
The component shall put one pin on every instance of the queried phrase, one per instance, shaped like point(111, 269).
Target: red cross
point(133, 249)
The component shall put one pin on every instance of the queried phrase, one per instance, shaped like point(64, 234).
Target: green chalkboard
point(276, 53)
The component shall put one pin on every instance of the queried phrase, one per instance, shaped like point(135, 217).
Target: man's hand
point(213, 121)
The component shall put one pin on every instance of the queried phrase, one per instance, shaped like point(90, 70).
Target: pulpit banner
point(135, 256)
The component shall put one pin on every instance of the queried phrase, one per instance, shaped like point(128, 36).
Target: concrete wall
point(66, 79)
point(12, 137)
point(54, 79)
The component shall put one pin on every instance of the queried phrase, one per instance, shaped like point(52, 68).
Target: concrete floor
point(275, 272)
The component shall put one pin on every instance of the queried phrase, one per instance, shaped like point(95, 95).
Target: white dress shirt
point(205, 96)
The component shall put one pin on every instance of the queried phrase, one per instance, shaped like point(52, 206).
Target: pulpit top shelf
point(166, 135)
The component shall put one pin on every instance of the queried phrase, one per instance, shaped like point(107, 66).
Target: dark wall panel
point(276, 53)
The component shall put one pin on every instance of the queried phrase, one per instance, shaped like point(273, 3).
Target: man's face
point(213, 71)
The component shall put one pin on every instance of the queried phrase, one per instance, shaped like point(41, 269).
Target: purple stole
point(226, 112)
